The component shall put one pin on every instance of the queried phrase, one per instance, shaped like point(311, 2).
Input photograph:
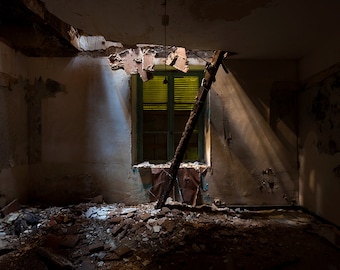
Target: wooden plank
point(209, 78)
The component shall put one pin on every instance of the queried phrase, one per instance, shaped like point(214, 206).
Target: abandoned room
point(169, 134)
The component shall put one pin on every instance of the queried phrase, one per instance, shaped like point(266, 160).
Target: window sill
point(189, 165)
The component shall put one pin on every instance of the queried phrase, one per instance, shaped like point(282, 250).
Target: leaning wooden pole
point(209, 78)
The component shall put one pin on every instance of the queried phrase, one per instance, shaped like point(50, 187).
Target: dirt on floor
point(116, 236)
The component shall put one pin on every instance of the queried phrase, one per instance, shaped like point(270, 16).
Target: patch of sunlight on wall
point(253, 141)
point(251, 127)
point(264, 108)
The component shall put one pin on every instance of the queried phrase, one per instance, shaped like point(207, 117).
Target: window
point(163, 110)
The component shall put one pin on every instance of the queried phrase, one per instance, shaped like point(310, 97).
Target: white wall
point(86, 133)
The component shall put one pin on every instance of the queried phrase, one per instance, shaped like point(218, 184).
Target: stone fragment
point(116, 229)
point(115, 220)
point(168, 225)
point(165, 209)
point(146, 263)
point(101, 255)
point(128, 210)
point(31, 218)
point(81, 252)
point(122, 251)
point(160, 221)
point(156, 228)
point(145, 216)
point(129, 215)
point(110, 245)
point(61, 218)
point(152, 221)
point(20, 226)
point(111, 257)
point(12, 217)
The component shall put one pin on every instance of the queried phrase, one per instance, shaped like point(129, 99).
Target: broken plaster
point(133, 61)
point(142, 60)
point(178, 59)
point(90, 43)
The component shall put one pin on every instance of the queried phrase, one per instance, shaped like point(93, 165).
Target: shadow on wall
point(244, 147)
point(320, 143)
point(14, 171)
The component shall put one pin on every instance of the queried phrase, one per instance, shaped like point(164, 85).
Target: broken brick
point(115, 220)
point(116, 229)
point(122, 250)
point(111, 257)
point(145, 216)
point(169, 225)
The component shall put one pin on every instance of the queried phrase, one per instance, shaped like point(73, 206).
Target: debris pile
point(117, 236)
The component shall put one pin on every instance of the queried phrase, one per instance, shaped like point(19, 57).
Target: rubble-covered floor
point(116, 236)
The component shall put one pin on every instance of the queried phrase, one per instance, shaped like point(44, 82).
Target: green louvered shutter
point(166, 108)
point(155, 94)
point(185, 92)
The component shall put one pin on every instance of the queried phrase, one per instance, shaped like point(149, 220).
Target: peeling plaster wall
point(320, 145)
point(85, 133)
point(243, 145)
point(14, 169)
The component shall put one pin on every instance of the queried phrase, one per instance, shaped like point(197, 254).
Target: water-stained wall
point(320, 144)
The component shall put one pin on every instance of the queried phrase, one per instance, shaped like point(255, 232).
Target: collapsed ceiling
point(262, 29)
point(254, 29)
point(26, 26)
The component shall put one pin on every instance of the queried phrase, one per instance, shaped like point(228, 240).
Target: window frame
point(171, 147)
